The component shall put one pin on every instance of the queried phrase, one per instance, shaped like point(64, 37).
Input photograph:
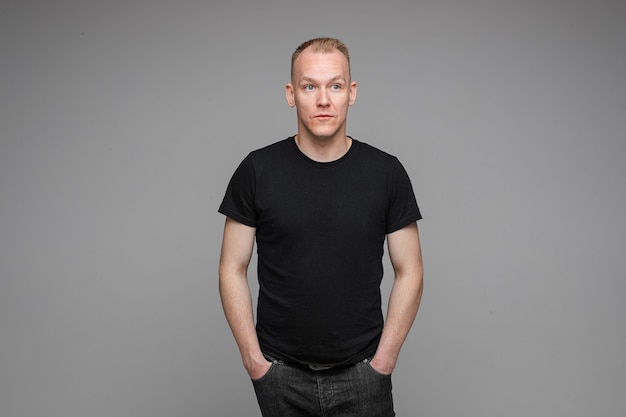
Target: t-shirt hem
point(352, 359)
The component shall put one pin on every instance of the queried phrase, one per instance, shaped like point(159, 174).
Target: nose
point(322, 98)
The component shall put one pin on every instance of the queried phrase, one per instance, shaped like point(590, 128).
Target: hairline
point(324, 46)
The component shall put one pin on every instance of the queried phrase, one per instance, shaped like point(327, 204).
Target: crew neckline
point(349, 152)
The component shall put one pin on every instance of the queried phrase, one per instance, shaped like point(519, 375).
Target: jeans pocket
point(371, 368)
point(273, 365)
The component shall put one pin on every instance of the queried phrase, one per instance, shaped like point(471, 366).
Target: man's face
point(321, 91)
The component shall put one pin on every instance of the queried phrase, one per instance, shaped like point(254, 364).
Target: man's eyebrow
point(311, 80)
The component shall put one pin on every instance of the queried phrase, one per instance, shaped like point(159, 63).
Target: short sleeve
point(402, 209)
point(238, 202)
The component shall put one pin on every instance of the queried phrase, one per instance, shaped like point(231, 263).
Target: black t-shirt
point(320, 230)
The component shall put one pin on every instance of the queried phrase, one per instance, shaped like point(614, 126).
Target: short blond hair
point(323, 45)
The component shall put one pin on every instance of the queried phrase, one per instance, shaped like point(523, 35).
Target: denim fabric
point(351, 391)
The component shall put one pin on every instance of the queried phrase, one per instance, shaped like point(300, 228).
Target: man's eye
point(308, 87)
point(336, 87)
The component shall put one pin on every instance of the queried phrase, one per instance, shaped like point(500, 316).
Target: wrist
point(251, 361)
point(384, 364)
point(257, 367)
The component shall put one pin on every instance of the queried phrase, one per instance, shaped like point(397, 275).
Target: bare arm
point(406, 293)
point(237, 246)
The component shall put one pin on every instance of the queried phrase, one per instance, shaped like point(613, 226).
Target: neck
point(323, 149)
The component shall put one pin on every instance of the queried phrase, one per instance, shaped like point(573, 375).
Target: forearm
point(235, 293)
point(404, 301)
point(237, 304)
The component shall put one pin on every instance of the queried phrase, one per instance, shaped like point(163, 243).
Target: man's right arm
point(237, 246)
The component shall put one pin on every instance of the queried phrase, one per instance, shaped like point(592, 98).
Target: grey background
point(122, 121)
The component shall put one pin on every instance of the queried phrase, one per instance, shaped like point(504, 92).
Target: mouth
point(323, 116)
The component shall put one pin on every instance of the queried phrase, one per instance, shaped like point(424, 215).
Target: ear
point(352, 93)
point(289, 95)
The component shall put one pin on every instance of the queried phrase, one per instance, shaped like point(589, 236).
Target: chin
point(324, 137)
point(324, 133)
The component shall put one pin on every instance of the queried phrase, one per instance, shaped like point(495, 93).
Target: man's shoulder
point(273, 148)
point(374, 153)
point(268, 155)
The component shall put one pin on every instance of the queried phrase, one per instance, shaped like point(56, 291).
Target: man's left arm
point(406, 258)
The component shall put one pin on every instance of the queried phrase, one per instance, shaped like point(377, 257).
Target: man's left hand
point(382, 366)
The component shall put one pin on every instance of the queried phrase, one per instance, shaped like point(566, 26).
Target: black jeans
point(350, 391)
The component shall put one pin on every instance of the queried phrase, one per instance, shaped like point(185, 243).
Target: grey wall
point(122, 121)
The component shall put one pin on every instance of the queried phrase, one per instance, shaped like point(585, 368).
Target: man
point(320, 205)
